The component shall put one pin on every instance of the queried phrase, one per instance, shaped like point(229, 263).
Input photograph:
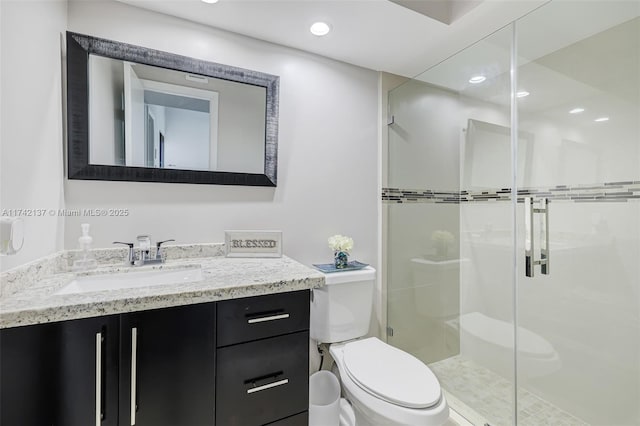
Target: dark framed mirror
point(138, 114)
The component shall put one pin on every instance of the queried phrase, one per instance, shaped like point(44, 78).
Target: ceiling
point(587, 57)
point(571, 63)
point(375, 34)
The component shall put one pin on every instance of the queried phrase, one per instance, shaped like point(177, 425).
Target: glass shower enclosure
point(512, 211)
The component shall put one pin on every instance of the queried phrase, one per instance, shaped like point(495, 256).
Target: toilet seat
point(375, 407)
point(391, 374)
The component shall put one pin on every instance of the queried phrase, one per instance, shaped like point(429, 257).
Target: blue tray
point(354, 265)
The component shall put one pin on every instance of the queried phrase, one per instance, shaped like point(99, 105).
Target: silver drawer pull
point(268, 386)
point(134, 372)
point(269, 318)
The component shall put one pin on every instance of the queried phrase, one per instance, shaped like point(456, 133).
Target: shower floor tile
point(486, 397)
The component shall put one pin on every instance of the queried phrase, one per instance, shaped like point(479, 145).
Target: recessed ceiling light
point(210, 1)
point(601, 119)
point(477, 79)
point(320, 29)
point(522, 94)
point(576, 111)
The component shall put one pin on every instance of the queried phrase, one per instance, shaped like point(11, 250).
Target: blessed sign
point(253, 243)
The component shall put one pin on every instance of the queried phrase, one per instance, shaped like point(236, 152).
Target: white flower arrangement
point(340, 243)
point(442, 237)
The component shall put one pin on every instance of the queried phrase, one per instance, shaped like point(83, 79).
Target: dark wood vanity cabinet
point(28, 358)
point(171, 363)
point(160, 360)
point(257, 377)
point(87, 368)
point(263, 360)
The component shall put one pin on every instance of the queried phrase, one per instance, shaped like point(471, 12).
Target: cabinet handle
point(268, 386)
point(269, 318)
point(134, 372)
point(98, 378)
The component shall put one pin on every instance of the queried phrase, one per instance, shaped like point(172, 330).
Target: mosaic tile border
point(605, 192)
point(395, 195)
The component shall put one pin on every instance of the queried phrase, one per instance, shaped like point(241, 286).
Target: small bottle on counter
point(85, 260)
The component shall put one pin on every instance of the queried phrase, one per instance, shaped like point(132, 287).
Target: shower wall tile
point(414, 225)
point(486, 239)
point(417, 132)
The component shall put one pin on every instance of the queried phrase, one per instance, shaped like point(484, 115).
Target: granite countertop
point(223, 278)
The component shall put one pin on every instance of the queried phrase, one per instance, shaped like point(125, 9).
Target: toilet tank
point(341, 310)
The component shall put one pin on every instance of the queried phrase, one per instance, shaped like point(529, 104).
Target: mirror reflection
point(148, 116)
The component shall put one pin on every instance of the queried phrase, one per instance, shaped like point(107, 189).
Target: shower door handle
point(529, 211)
point(544, 242)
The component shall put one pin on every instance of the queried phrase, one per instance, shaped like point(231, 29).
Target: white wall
point(423, 151)
point(31, 172)
point(159, 116)
point(327, 164)
point(106, 87)
point(187, 132)
point(241, 123)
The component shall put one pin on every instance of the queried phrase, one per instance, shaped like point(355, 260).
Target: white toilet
point(385, 386)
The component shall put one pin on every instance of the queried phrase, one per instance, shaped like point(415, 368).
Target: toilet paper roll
point(11, 235)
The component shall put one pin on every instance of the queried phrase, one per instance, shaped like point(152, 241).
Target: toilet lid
point(391, 374)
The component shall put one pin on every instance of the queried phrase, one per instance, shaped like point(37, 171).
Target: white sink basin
point(131, 280)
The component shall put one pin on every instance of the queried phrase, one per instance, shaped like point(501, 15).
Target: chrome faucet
point(131, 255)
point(144, 247)
point(159, 250)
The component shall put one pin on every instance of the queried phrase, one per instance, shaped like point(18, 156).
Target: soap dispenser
point(85, 259)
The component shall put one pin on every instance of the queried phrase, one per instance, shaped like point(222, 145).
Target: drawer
point(263, 381)
point(252, 318)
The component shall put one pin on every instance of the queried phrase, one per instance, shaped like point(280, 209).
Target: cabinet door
point(27, 375)
point(168, 367)
point(88, 369)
